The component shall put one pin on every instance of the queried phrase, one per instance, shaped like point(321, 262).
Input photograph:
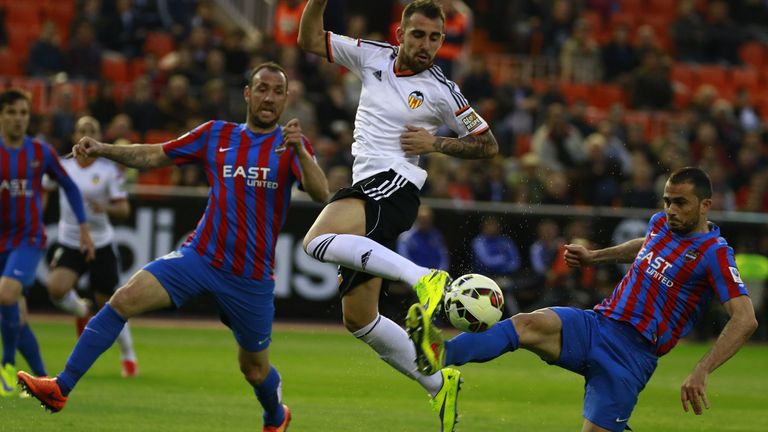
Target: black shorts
point(104, 270)
point(391, 204)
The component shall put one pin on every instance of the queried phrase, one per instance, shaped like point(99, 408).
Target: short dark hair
point(702, 186)
point(429, 8)
point(10, 97)
point(274, 67)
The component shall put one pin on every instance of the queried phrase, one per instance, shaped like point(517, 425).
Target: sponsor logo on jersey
point(415, 99)
point(254, 176)
point(34, 163)
point(16, 187)
point(736, 275)
point(691, 255)
point(471, 121)
point(95, 179)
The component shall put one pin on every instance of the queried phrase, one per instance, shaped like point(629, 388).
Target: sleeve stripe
point(461, 111)
point(328, 50)
point(449, 83)
point(457, 97)
point(378, 44)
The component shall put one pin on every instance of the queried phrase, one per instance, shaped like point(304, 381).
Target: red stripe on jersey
point(221, 231)
point(20, 201)
point(282, 179)
point(261, 211)
point(240, 207)
point(650, 306)
point(187, 138)
point(205, 233)
point(328, 50)
point(37, 186)
point(689, 306)
point(5, 197)
point(724, 265)
point(682, 275)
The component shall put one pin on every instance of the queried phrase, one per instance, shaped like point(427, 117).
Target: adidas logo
point(377, 74)
point(364, 258)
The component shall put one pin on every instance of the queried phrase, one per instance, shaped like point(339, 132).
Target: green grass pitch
point(190, 382)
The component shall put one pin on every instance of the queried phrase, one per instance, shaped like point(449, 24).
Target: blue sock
point(29, 348)
point(268, 395)
point(9, 327)
point(482, 347)
point(100, 333)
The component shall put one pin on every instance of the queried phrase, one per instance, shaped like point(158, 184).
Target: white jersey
point(100, 182)
point(390, 100)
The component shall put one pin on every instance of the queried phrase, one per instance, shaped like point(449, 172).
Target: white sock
point(363, 254)
point(392, 344)
point(72, 303)
point(125, 341)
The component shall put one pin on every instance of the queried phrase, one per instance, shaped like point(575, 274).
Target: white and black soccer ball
point(474, 303)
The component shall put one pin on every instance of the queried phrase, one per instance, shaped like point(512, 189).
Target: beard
point(262, 124)
point(684, 228)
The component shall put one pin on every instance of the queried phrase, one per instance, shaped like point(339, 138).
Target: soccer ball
point(474, 303)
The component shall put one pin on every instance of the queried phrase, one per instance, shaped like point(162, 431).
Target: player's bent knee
point(531, 327)
point(255, 373)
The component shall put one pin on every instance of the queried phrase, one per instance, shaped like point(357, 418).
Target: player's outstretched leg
point(427, 339)
point(30, 350)
point(445, 402)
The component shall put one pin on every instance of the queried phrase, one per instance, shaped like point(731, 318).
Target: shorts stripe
point(386, 189)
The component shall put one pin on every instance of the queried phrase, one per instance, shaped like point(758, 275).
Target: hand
point(417, 141)
point(577, 256)
point(694, 390)
point(86, 243)
point(87, 147)
point(96, 207)
point(292, 137)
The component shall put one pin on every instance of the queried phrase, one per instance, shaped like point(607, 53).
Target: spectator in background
point(602, 176)
point(124, 31)
point(458, 31)
point(298, 107)
point(497, 256)
point(176, 104)
point(745, 110)
point(423, 244)
point(215, 101)
point(90, 12)
point(578, 117)
point(689, 33)
point(45, 56)
point(723, 35)
point(580, 56)
point(650, 86)
point(558, 26)
point(103, 107)
point(141, 106)
point(618, 55)
point(557, 143)
point(639, 191)
point(83, 58)
point(287, 18)
point(543, 251)
point(477, 85)
point(493, 185)
point(63, 116)
point(235, 56)
point(175, 16)
point(339, 177)
point(516, 106)
point(529, 184)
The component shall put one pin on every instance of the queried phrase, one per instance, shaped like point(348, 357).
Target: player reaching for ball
point(676, 269)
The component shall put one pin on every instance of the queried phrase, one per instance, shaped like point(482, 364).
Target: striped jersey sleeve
point(455, 110)
point(295, 166)
point(723, 275)
point(190, 147)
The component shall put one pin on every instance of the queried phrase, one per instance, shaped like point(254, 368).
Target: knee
point(355, 320)
point(56, 291)
point(526, 327)
point(255, 373)
point(122, 302)
point(307, 240)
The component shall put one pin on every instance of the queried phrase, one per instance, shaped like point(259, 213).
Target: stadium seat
point(23, 12)
point(606, 95)
point(641, 118)
point(685, 74)
point(21, 36)
point(9, 63)
point(752, 53)
point(38, 89)
point(575, 92)
point(634, 7)
point(714, 75)
point(114, 68)
point(159, 44)
point(136, 68)
point(596, 115)
point(522, 144)
point(663, 7)
point(746, 77)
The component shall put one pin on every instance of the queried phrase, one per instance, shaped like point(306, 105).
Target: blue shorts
point(615, 360)
point(21, 264)
point(246, 305)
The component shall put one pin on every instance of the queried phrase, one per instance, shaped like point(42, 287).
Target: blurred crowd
point(592, 101)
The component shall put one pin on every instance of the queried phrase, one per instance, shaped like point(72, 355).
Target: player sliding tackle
point(231, 253)
point(405, 99)
point(616, 345)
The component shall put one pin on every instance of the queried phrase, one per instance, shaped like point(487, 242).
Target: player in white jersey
point(103, 188)
point(404, 100)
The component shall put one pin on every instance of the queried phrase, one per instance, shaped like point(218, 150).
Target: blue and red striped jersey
point(21, 191)
point(671, 280)
point(250, 189)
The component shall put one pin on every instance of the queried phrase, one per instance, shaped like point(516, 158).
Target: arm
point(134, 155)
point(311, 33)
point(312, 176)
point(736, 332)
point(116, 208)
point(577, 255)
point(76, 202)
point(417, 141)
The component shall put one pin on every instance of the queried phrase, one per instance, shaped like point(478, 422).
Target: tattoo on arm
point(482, 146)
point(136, 155)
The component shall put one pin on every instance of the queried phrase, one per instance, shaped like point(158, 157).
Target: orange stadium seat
point(663, 7)
point(641, 118)
point(159, 44)
point(606, 95)
point(628, 19)
point(574, 92)
point(21, 36)
point(746, 77)
point(685, 74)
point(136, 68)
point(715, 75)
point(635, 7)
point(114, 68)
point(9, 63)
point(38, 89)
point(522, 144)
point(752, 53)
point(25, 12)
